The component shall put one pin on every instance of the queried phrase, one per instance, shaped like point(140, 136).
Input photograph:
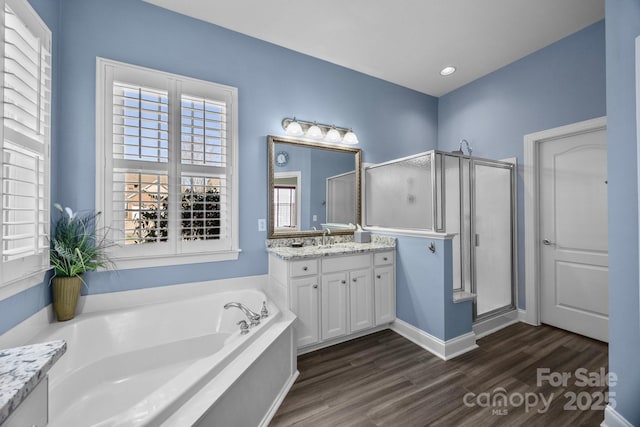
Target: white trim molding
point(531, 204)
point(445, 350)
point(612, 418)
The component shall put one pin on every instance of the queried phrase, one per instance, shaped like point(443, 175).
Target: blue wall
point(623, 26)
point(558, 85)
point(272, 82)
point(424, 288)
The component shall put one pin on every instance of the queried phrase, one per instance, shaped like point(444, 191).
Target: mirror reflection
point(312, 187)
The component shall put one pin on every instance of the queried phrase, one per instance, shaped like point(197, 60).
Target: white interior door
point(573, 234)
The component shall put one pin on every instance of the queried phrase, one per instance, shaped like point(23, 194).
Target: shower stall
point(471, 199)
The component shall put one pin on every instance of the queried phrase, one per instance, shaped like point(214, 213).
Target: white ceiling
point(406, 42)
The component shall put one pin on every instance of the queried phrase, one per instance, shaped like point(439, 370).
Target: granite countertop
point(22, 368)
point(378, 244)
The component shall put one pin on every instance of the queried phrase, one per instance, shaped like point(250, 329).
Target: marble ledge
point(22, 368)
point(377, 244)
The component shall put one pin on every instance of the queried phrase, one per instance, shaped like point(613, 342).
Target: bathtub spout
point(251, 315)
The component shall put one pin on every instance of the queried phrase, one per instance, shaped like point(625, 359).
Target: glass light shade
point(447, 71)
point(350, 138)
point(333, 135)
point(314, 131)
point(294, 128)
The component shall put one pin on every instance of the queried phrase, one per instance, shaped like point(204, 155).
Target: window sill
point(168, 260)
point(14, 287)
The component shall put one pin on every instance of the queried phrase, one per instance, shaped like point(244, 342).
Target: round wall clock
point(282, 158)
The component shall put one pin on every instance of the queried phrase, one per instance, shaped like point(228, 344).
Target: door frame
point(531, 178)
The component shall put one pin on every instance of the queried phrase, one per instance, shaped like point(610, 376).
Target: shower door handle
point(546, 242)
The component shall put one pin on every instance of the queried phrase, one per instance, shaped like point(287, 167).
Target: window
point(24, 144)
point(167, 156)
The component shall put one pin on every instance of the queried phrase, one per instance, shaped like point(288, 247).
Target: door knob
point(315, 286)
point(546, 242)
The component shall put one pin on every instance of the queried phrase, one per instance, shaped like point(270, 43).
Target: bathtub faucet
point(251, 315)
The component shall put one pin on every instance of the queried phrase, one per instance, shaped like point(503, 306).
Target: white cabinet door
point(385, 298)
point(334, 305)
point(304, 303)
point(360, 300)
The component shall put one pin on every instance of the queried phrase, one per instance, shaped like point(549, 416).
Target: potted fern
point(74, 249)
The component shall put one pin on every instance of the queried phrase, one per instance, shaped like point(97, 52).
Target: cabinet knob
point(355, 279)
point(343, 281)
point(385, 258)
point(305, 268)
point(378, 276)
point(315, 286)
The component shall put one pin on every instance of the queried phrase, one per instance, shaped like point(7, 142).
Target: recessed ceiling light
point(447, 71)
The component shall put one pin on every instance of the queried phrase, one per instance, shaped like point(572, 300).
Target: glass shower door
point(492, 236)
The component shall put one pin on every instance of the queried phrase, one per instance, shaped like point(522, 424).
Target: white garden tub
point(177, 363)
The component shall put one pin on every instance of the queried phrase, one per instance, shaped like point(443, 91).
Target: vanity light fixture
point(293, 128)
point(350, 138)
point(319, 131)
point(333, 135)
point(314, 131)
point(447, 71)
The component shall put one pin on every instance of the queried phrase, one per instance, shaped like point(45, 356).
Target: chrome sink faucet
point(325, 233)
point(253, 317)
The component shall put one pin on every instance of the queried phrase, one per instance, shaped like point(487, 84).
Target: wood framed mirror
point(312, 186)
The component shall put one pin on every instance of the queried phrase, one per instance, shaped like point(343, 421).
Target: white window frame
point(25, 272)
point(174, 252)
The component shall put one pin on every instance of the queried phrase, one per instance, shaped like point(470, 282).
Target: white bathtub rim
point(186, 384)
point(58, 330)
point(173, 395)
point(60, 327)
point(170, 293)
point(191, 411)
point(36, 324)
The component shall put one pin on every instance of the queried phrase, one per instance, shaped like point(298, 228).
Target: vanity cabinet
point(337, 296)
point(347, 303)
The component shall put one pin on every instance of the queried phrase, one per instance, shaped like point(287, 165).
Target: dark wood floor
point(385, 380)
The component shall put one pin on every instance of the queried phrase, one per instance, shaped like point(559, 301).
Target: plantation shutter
point(25, 141)
point(168, 164)
point(203, 136)
point(140, 163)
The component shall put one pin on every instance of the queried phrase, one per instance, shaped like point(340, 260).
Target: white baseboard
point(522, 315)
point(445, 350)
point(613, 419)
point(276, 403)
